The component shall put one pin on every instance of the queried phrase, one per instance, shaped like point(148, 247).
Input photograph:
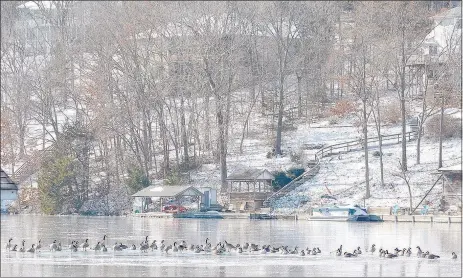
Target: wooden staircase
point(314, 165)
point(32, 165)
point(311, 172)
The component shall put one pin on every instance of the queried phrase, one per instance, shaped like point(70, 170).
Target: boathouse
point(163, 194)
point(9, 191)
point(249, 188)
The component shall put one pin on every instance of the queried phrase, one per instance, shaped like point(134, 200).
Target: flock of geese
point(220, 248)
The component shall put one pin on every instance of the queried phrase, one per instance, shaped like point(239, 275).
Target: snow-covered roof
point(6, 183)
point(454, 168)
point(167, 191)
point(251, 174)
point(33, 5)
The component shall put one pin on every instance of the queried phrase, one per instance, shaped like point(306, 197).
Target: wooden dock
point(386, 217)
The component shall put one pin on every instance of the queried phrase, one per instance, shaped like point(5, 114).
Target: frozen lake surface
point(438, 238)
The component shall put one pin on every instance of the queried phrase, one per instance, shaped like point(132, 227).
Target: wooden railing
point(327, 151)
point(31, 166)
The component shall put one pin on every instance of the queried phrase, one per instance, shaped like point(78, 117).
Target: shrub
point(283, 178)
point(452, 127)
point(390, 113)
point(342, 108)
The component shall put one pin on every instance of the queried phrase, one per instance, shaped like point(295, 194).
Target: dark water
point(438, 238)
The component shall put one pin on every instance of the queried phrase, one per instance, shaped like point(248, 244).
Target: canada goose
point(355, 253)
point(104, 239)
point(246, 246)
point(183, 246)
point(168, 248)
point(73, 246)
point(32, 249)
point(207, 248)
point(419, 253)
point(348, 255)
point(39, 245)
point(14, 248)
point(373, 249)
point(134, 247)
point(263, 250)
point(153, 246)
point(381, 252)
point(192, 247)
point(84, 245)
point(229, 246)
point(432, 256)
point(240, 249)
point(409, 251)
point(8, 245)
point(424, 254)
point(314, 251)
point(396, 251)
point(175, 249)
point(97, 247)
point(123, 246)
point(388, 255)
point(302, 253)
point(117, 247)
point(454, 256)
point(309, 251)
point(22, 249)
point(59, 248)
point(53, 246)
point(162, 246)
point(103, 248)
point(358, 250)
point(319, 251)
point(338, 252)
point(340, 248)
point(144, 247)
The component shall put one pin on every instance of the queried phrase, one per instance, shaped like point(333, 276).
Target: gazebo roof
point(250, 174)
point(168, 191)
point(454, 168)
point(6, 183)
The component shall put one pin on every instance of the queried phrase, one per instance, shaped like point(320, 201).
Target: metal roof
point(251, 174)
point(6, 183)
point(167, 191)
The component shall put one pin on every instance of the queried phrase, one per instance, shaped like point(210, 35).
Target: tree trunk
point(184, 136)
point(402, 104)
point(365, 147)
point(299, 94)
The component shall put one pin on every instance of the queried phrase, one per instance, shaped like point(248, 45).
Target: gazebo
point(452, 183)
point(162, 192)
point(249, 188)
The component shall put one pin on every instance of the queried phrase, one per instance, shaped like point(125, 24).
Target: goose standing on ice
point(9, 244)
point(58, 248)
point(134, 247)
point(97, 247)
point(22, 249)
point(117, 247)
point(39, 245)
point(454, 256)
point(103, 248)
point(372, 250)
point(14, 248)
point(53, 246)
point(84, 245)
point(153, 245)
point(168, 248)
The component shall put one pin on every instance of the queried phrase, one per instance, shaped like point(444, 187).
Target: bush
point(137, 180)
point(342, 108)
point(390, 113)
point(283, 178)
point(452, 127)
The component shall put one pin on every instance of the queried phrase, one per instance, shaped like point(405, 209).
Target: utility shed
point(249, 188)
point(162, 192)
point(9, 191)
point(452, 183)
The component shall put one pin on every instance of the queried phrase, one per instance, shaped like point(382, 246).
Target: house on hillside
point(8, 192)
point(249, 188)
point(438, 48)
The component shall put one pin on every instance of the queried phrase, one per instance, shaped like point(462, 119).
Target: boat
point(349, 213)
point(201, 215)
point(261, 216)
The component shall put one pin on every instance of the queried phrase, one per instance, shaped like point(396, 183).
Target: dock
point(386, 217)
